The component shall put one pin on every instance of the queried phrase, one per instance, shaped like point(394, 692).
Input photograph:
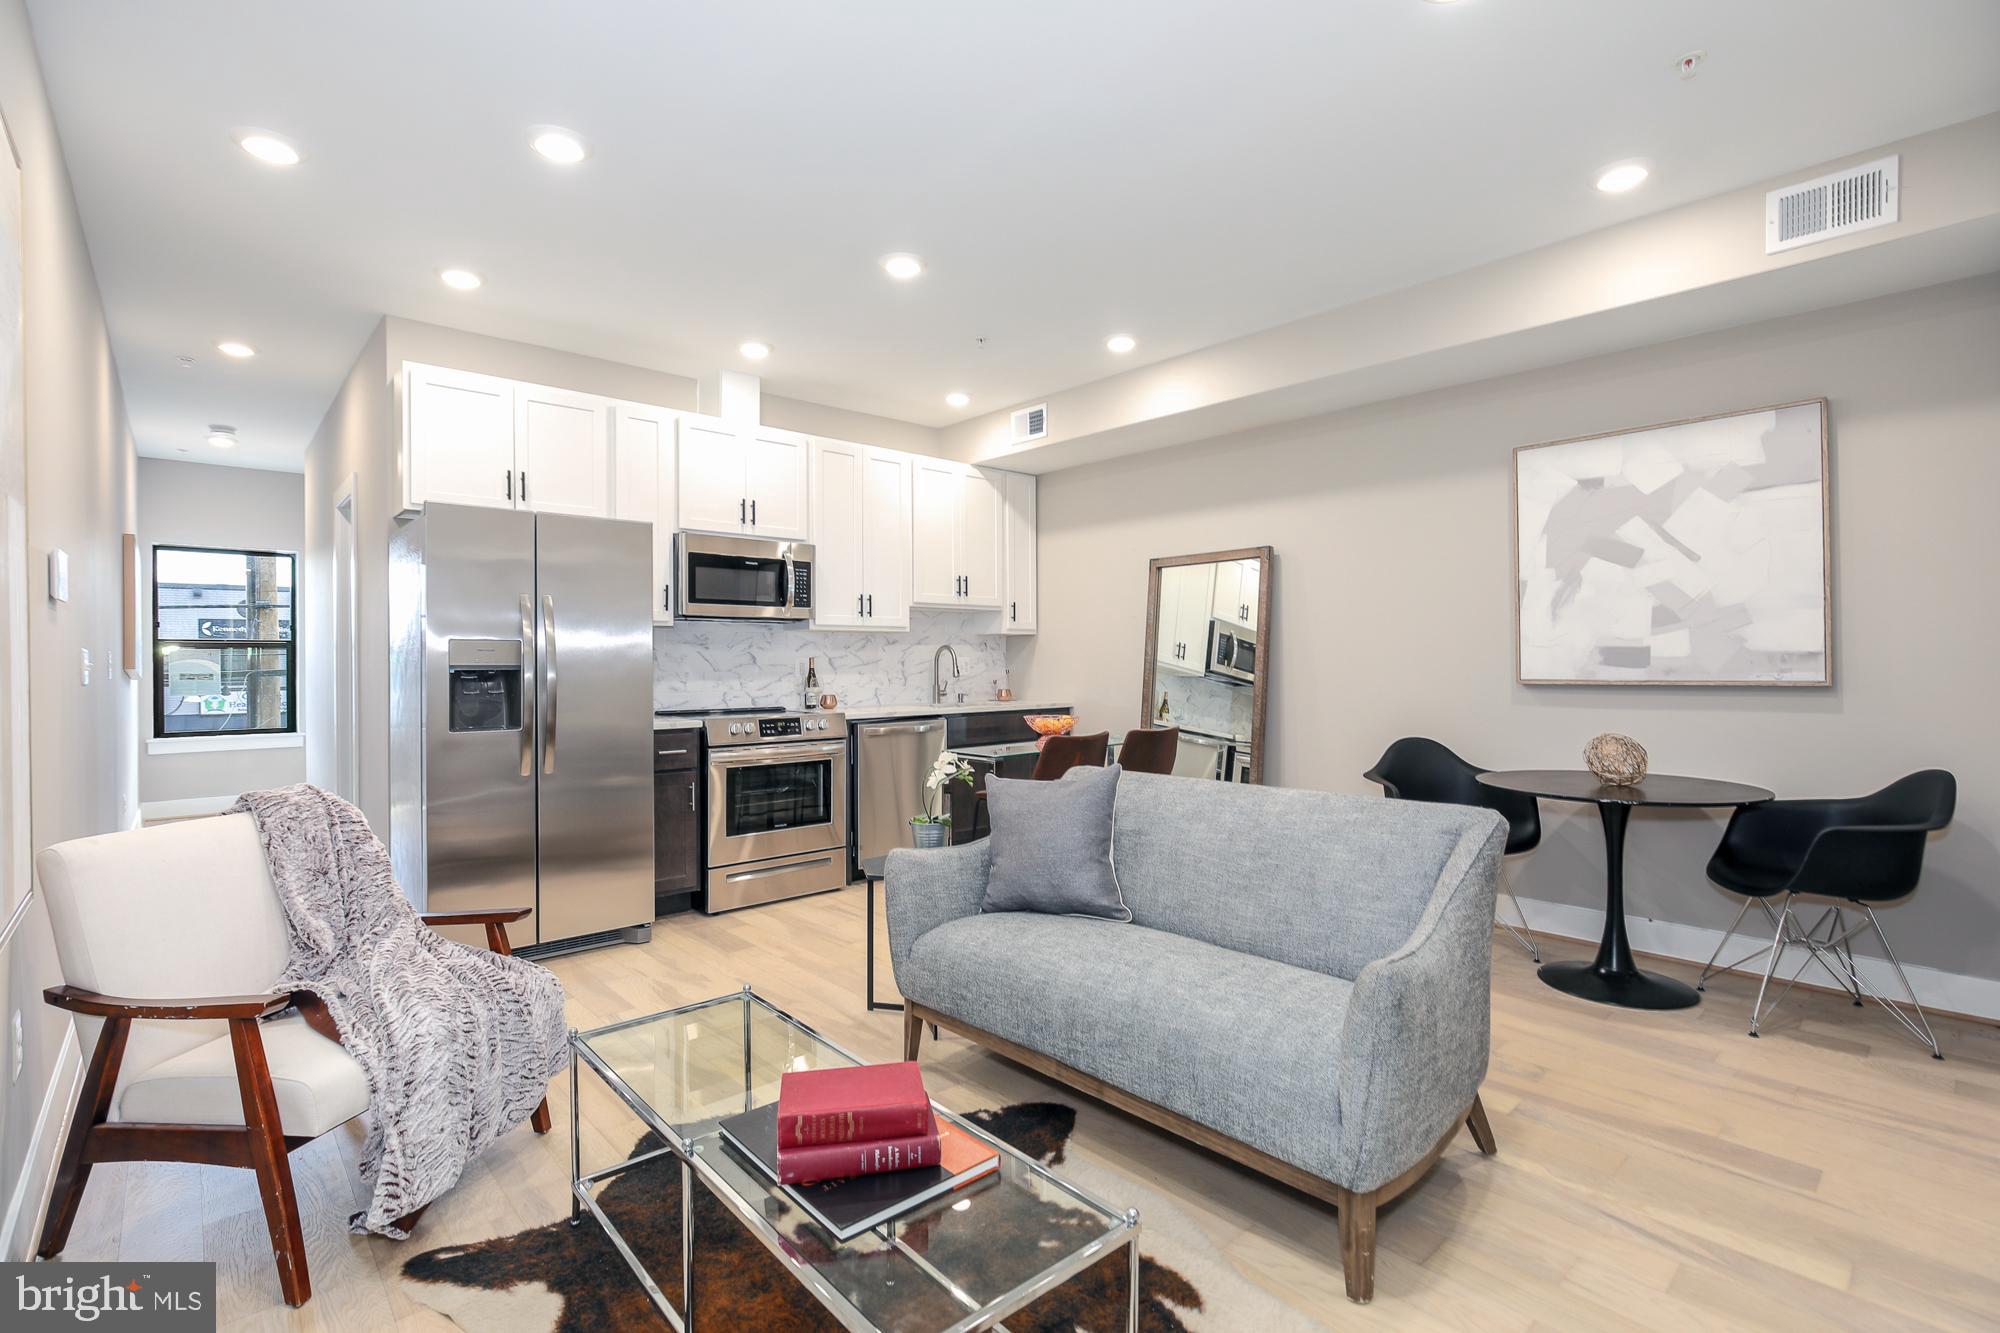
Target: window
point(225, 659)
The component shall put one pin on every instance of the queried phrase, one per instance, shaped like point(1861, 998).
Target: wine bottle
point(812, 685)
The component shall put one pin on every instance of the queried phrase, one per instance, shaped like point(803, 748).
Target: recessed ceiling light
point(222, 437)
point(268, 149)
point(460, 279)
point(241, 351)
point(958, 399)
point(560, 146)
point(1622, 176)
point(1121, 343)
point(902, 267)
point(755, 350)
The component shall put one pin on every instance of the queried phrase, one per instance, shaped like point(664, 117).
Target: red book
point(840, 1161)
point(817, 1107)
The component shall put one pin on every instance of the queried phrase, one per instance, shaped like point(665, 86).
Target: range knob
point(734, 728)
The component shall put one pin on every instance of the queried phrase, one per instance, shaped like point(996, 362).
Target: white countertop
point(877, 712)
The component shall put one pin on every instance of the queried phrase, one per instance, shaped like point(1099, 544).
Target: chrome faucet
point(937, 671)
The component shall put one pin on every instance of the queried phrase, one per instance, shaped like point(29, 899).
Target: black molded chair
point(1857, 851)
point(1417, 768)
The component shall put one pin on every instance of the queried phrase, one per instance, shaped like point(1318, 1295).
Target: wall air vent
point(1031, 424)
point(1828, 206)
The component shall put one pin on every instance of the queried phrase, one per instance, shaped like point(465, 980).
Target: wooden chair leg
point(913, 1032)
point(93, 1107)
point(268, 1156)
point(540, 1119)
point(1357, 1244)
point(1482, 1133)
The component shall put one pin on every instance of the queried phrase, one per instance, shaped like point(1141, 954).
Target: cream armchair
point(204, 1064)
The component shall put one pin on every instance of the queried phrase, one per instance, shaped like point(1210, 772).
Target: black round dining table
point(1613, 978)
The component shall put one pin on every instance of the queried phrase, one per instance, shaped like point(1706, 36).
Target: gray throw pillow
point(1052, 845)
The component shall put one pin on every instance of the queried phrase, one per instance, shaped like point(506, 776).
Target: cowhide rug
point(570, 1279)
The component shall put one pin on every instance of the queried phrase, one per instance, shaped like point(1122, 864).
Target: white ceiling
point(1182, 171)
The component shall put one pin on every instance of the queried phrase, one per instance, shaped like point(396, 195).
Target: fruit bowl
point(1046, 725)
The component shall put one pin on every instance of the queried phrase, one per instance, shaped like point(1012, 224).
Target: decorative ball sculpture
point(1618, 761)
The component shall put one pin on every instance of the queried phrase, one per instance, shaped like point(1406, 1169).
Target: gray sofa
point(1303, 986)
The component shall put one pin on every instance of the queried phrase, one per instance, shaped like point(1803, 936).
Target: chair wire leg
point(1844, 943)
point(1930, 1038)
point(1777, 951)
point(1520, 933)
point(1710, 969)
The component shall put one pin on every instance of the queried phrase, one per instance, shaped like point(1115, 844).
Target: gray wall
point(78, 472)
point(200, 504)
point(1393, 608)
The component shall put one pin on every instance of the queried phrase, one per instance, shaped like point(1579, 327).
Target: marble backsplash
point(1200, 704)
point(701, 664)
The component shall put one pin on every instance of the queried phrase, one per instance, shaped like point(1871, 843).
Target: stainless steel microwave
point(1232, 653)
point(742, 578)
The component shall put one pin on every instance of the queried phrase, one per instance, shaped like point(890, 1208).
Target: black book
point(849, 1207)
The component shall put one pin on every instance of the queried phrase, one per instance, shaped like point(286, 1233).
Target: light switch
point(58, 575)
point(86, 666)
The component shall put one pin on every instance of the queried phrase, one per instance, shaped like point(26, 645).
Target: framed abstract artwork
point(1692, 553)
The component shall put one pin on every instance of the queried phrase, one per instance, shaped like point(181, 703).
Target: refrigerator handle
point(528, 650)
point(548, 684)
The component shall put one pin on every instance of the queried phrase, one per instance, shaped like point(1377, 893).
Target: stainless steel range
point(777, 805)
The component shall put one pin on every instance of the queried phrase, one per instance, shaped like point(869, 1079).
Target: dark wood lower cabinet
point(677, 833)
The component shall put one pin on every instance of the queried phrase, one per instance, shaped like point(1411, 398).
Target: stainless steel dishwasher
point(891, 760)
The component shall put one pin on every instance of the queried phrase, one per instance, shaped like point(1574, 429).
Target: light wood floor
point(1658, 1171)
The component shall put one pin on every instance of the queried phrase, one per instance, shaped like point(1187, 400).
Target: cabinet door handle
point(524, 485)
point(666, 596)
point(690, 796)
point(871, 606)
point(860, 605)
point(742, 511)
point(1013, 610)
point(510, 485)
point(753, 513)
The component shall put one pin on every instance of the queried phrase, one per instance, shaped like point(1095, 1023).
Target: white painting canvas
point(1688, 554)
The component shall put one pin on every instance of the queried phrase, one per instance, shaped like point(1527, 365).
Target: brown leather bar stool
point(1062, 753)
point(1150, 750)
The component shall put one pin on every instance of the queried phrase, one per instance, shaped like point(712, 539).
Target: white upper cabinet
point(481, 440)
point(1017, 490)
point(885, 545)
point(562, 446)
point(458, 438)
point(642, 441)
point(776, 477)
point(1236, 593)
point(1187, 597)
point(958, 532)
point(743, 482)
point(711, 478)
point(861, 536)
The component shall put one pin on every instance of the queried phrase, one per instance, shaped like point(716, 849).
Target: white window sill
point(222, 741)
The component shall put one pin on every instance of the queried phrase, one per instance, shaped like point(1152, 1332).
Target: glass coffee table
point(963, 1262)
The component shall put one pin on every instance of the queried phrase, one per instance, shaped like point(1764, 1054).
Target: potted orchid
point(933, 826)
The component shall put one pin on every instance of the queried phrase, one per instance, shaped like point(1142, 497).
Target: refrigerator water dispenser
point(485, 684)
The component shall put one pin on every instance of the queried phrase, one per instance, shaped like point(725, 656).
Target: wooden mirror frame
point(1266, 559)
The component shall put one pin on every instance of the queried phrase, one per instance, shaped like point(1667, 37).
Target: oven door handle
point(776, 754)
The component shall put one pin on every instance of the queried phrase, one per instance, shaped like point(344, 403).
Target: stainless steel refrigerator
point(520, 700)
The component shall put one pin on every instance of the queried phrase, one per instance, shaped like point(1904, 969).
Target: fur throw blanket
point(459, 1044)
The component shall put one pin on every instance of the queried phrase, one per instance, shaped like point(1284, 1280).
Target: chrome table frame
point(693, 1166)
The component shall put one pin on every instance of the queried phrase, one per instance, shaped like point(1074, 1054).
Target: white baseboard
point(1976, 997)
point(38, 1166)
point(185, 809)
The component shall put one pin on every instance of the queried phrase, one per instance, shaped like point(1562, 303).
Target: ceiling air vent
point(1828, 206)
point(1031, 424)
